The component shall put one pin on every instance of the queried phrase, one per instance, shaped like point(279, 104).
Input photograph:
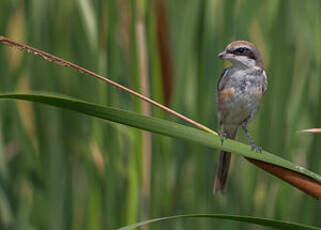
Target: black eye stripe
point(244, 51)
point(240, 50)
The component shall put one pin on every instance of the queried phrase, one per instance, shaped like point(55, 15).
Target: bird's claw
point(257, 149)
point(222, 135)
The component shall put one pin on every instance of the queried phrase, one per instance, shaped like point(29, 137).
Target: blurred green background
point(63, 170)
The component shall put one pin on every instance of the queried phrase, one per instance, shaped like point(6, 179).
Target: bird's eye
point(240, 50)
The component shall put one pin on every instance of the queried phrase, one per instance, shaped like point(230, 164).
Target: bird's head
point(242, 53)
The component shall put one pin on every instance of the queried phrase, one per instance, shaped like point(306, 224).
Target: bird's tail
point(223, 166)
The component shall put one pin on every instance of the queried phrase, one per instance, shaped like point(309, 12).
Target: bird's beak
point(222, 55)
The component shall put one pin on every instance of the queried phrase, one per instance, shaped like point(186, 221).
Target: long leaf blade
point(159, 126)
point(278, 224)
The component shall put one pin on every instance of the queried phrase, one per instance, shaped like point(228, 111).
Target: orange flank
point(226, 93)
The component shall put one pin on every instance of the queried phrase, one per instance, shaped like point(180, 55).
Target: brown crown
point(249, 50)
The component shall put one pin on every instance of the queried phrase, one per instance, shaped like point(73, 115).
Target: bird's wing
point(265, 83)
point(222, 80)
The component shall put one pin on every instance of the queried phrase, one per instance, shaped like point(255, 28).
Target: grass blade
point(176, 130)
point(245, 219)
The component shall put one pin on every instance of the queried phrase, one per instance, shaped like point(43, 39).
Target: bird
point(239, 92)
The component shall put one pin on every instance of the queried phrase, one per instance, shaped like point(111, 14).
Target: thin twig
point(51, 58)
point(313, 130)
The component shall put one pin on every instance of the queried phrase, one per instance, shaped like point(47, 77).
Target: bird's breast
point(240, 97)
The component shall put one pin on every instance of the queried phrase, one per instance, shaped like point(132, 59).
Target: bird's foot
point(255, 147)
point(223, 135)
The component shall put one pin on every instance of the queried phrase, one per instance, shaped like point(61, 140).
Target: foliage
point(61, 170)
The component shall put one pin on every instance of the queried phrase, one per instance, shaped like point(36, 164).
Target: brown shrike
point(239, 93)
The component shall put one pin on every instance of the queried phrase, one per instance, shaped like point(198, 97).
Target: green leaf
point(159, 126)
point(246, 219)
